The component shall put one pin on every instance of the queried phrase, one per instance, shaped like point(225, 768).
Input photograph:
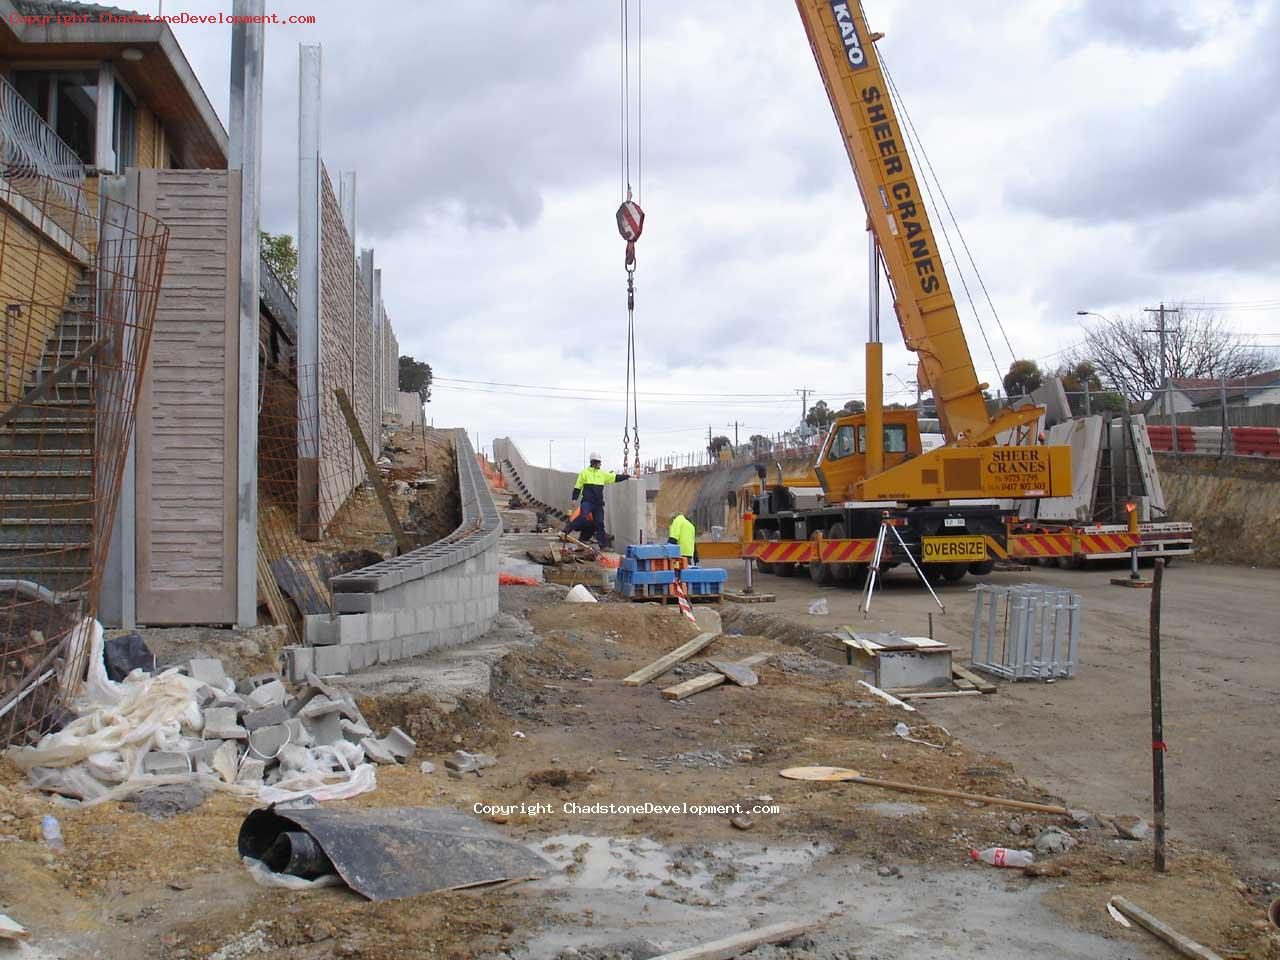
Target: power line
point(549, 387)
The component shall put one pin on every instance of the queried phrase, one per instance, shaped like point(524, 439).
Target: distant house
point(1192, 393)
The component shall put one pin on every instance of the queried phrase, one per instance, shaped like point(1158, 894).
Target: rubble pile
point(195, 723)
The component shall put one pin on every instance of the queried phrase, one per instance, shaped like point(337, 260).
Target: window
point(124, 130)
point(67, 100)
point(842, 443)
point(895, 438)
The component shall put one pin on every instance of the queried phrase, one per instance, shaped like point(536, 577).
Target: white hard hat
point(594, 456)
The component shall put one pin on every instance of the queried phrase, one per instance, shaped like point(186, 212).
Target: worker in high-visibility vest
point(683, 532)
point(590, 486)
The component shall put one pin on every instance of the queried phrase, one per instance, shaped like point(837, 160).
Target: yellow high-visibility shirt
point(682, 532)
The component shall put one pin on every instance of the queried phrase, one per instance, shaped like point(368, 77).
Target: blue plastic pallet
point(704, 575)
point(653, 551)
point(646, 577)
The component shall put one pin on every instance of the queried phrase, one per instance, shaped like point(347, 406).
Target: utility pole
point(1164, 380)
point(804, 402)
point(736, 424)
point(711, 456)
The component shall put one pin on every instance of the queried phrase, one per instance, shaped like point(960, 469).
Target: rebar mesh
point(79, 296)
point(317, 514)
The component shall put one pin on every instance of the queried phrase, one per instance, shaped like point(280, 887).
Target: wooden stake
point(964, 673)
point(1157, 718)
point(1184, 945)
point(371, 467)
point(665, 663)
point(738, 944)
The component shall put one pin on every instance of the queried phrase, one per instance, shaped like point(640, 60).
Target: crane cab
point(842, 462)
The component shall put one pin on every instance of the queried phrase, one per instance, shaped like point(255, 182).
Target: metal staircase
point(47, 463)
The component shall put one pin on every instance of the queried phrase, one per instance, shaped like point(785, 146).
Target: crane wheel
point(819, 572)
point(953, 572)
point(841, 573)
point(761, 566)
point(983, 568)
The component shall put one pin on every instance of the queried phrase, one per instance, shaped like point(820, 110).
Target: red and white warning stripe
point(686, 608)
point(630, 221)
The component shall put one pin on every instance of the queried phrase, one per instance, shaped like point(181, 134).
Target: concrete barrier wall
point(624, 503)
point(437, 596)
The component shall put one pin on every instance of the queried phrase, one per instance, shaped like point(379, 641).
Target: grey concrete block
point(220, 724)
point(424, 619)
point(382, 626)
point(251, 770)
point(265, 742)
point(332, 659)
point(325, 730)
point(399, 743)
point(358, 658)
point(319, 630)
point(208, 671)
point(269, 716)
point(405, 624)
point(376, 752)
point(353, 602)
point(162, 762)
point(268, 693)
point(353, 628)
point(299, 661)
point(395, 649)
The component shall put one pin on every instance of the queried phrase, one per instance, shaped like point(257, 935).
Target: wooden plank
point(738, 944)
point(940, 694)
point(276, 603)
point(738, 597)
point(709, 680)
point(1183, 944)
point(964, 673)
point(840, 775)
point(295, 579)
point(962, 684)
point(887, 697)
point(375, 478)
point(665, 663)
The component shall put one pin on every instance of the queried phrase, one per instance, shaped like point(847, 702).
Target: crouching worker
point(683, 532)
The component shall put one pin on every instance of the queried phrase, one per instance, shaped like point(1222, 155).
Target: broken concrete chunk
point(265, 742)
point(355, 732)
point(376, 752)
point(1054, 840)
point(325, 729)
point(1130, 827)
point(269, 716)
point(299, 735)
point(225, 761)
point(427, 767)
point(399, 743)
point(220, 724)
point(203, 753)
point(208, 671)
point(1083, 820)
point(267, 694)
point(251, 770)
point(164, 762)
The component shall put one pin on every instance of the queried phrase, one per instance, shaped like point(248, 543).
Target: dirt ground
point(887, 874)
point(1089, 737)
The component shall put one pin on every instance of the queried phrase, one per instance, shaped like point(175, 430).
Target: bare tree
point(1198, 345)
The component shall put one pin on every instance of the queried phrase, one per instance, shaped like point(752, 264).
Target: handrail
point(31, 145)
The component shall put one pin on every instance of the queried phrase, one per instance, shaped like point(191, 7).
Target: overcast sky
point(1098, 155)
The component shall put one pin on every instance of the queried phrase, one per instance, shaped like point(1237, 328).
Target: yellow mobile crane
point(871, 466)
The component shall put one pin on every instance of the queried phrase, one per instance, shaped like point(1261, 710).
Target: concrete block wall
point(624, 503)
point(432, 598)
point(344, 338)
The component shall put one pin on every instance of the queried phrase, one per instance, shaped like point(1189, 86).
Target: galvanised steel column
point(309, 378)
point(246, 156)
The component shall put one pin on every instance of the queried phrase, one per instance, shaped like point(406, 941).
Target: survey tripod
point(887, 525)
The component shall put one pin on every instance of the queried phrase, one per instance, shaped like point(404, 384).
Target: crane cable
point(914, 138)
point(630, 217)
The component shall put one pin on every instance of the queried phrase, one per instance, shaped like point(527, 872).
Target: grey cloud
point(1138, 24)
point(1211, 138)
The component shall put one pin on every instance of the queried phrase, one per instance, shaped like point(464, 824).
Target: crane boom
point(844, 49)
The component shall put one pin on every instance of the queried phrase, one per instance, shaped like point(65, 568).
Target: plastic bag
point(362, 780)
point(819, 608)
point(264, 875)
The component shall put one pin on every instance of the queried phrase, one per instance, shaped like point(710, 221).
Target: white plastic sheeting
point(99, 756)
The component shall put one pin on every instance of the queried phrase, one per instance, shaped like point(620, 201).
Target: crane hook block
point(630, 221)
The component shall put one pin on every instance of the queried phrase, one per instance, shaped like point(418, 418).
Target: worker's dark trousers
point(596, 510)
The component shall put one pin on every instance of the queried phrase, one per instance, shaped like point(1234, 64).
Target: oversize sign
point(954, 550)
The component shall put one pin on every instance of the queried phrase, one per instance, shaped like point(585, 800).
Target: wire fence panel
point(79, 294)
